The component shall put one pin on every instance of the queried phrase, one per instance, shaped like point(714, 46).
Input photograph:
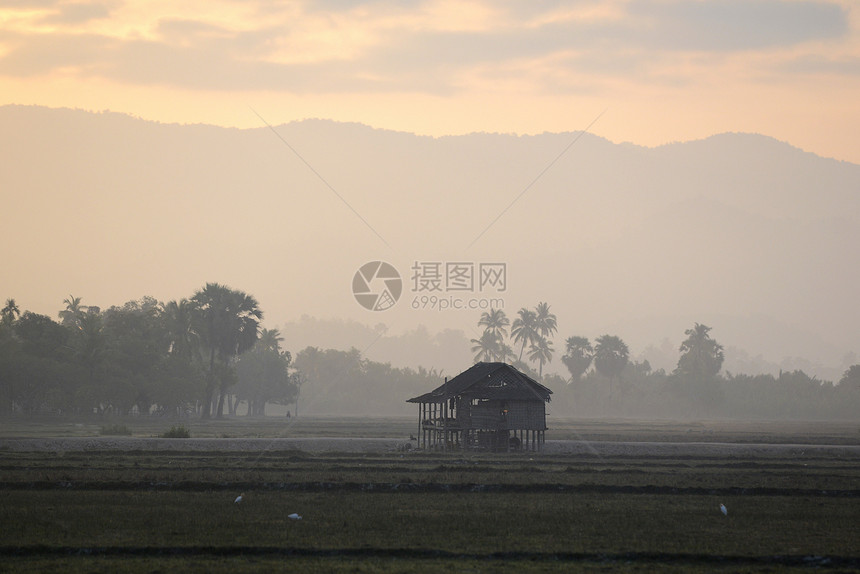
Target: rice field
point(119, 510)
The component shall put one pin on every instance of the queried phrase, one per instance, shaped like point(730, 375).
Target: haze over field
point(452, 134)
point(749, 235)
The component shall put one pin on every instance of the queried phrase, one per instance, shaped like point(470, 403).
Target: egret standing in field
point(724, 510)
point(239, 498)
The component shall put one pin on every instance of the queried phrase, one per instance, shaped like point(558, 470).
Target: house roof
point(488, 381)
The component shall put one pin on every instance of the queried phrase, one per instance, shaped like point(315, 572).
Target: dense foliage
point(207, 356)
point(143, 357)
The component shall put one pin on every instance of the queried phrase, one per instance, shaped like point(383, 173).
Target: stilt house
point(491, 406)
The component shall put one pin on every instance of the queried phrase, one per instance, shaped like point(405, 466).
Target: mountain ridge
point(734, 224)
point(322, 121)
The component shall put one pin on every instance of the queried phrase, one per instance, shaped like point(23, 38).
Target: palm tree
point(541, 351)
point(270, 340)
point(227, 321)
point(524, 329)
point(486, 347)
point(10, 312)
point(71, 315)
point(496, 322)
point(610, 357)
point(506, 353)
point(546, 323)
point(577, 357)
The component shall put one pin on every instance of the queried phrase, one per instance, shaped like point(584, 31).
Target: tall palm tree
point(71, 315)
point(228, 321)
point(524, 329)
point(486, 347)
point(577, 357)
point(270, 339)
point(496, 322)
point(541, 351)
point(610, 357)
point(545, 322)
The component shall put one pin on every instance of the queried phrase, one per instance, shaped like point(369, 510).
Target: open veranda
point(791, 494)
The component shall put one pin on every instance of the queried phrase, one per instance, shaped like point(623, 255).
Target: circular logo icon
point(377, 286)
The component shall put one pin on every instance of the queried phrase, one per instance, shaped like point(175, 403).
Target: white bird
point(294, 516)
point(724, 510)
point(239, 498)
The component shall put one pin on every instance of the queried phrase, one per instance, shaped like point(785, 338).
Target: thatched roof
point(488, 381)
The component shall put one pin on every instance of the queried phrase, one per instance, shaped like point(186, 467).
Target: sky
point(650, 71)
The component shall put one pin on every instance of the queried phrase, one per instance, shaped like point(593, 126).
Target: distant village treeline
point(208, 356)
point(605, 380)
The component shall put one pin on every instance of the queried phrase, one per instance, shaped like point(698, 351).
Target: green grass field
point(140, 511)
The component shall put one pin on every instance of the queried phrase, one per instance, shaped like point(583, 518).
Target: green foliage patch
point(177, 431)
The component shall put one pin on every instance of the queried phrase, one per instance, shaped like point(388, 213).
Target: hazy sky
point(664, 70)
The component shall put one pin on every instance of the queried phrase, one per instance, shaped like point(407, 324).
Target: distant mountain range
point(747, 234)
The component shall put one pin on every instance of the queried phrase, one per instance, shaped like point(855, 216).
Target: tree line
point(207, 355)
point(604, 379)
point(202, 355)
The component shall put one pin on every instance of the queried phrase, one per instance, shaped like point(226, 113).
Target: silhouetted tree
point(70, 316)
point(486, 348)
point(524, 329)
point(270, 339)
point(263, 375)
point(496, 323)
point(178, 318)
point(135, 350)
point(545, 321)
point(541, 352)
point(41, 336)
point(577, 357)
point(700, 362)
point(506, 353)
point(610, 357)
point(10, 313)
point(36, 364)
point(227, 324)
point(851, 377)
point(701, 356)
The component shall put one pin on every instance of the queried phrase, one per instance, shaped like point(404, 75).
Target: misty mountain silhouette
point(636, 241)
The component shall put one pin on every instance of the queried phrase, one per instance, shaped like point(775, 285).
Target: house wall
point(520, 415)
point(525, 415)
